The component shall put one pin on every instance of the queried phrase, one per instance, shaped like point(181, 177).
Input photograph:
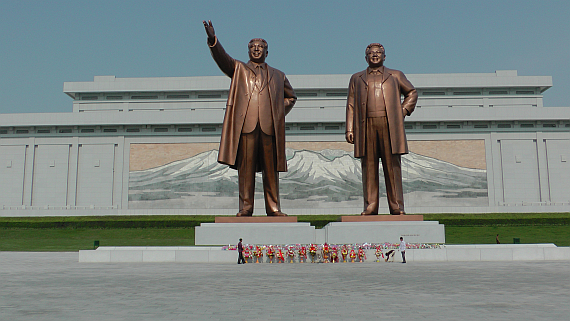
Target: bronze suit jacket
point(282, 99)
point(394, 84)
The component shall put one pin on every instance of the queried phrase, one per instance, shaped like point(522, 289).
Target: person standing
point(253, 131)
point(402, 249)
point(241, 260)
point(375, 125)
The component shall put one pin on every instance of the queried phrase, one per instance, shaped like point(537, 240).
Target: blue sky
point(45, 43)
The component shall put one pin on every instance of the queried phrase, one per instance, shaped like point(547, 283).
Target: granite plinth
point(334, 233)
point(254, 233)
point(381, 218)
point(381, 232)
point(256, 219)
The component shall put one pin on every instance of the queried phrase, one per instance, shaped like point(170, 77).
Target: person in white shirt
point(402, 249)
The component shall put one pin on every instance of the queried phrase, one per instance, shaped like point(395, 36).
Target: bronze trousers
point(257, 150)
point(378, 146)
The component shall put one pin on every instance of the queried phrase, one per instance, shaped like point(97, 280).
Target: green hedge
point(319, 221)
point(106, 222)
point(493, 219)
point(501, 219)
point(102, 224)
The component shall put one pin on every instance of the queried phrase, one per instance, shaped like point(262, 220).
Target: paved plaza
point(54, 286)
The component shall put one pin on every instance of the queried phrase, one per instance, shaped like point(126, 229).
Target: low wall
point(446, 253)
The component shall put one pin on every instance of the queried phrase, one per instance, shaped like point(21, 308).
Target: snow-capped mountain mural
point(327, 178)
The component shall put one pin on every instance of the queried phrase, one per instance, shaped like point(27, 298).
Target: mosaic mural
point(320, 175)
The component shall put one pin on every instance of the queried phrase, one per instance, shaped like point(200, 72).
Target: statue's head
point(257, 49)
point(375, 55)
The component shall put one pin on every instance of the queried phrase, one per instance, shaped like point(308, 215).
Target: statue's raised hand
point(210, 31)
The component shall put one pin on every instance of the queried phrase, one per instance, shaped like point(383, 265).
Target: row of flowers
point(325, 253)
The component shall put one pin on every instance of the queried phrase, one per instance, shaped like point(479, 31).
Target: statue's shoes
point(277, 213)
point(244, 213)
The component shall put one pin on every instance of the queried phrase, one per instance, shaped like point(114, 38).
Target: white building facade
point(478, 143)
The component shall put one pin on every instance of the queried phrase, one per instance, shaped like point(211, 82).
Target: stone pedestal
point(254, 233)
point(363, 229)
point(381, 232)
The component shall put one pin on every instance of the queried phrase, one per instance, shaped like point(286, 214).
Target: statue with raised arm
point(375, 125)
point(253, 132)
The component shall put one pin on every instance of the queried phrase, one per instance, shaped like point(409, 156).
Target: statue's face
point(375, 57)
point(257, 51)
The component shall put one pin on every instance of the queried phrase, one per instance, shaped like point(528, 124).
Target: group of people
point(326, 253)
point(401, 248)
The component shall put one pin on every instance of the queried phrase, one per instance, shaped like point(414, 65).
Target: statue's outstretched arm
point(224, 61)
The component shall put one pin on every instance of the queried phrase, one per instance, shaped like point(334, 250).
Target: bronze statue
point(375, 125)
point(253, 132)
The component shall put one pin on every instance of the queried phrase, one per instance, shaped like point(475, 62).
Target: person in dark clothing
point(241, 260)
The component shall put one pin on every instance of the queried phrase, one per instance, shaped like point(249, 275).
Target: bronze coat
point(394, 84)
point(282, 99)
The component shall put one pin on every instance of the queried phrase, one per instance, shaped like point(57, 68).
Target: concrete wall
point(61, 173)
point(523, 170)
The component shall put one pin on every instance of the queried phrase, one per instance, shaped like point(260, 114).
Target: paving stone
point(54, 286)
